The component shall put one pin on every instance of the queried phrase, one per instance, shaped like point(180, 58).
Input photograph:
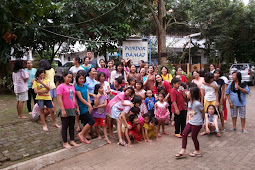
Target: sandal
point(122, 143)
point(180, 156)
point(218, 134)
point(193, 154)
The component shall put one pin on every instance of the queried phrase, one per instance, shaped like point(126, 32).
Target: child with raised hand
point(99, 113)
point(178, 107)
point(194, 122)
point(149, 102)
point(41, 87)
point(161, 113)
point(20, 78)
point(150, 127)
point(133, 132)
point(85, 107)
point(114, 112)
point(211, 121)
point(68, 108)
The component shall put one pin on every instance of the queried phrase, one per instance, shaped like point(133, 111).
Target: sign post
point(135, 50)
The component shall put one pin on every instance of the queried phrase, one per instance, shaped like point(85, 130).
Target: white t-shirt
point(106, 85)
point(225, 79)
point(74, 70)
point(210, 93)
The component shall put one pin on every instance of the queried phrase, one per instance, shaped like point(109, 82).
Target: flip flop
point(195, 155)
point(82, 141)
point(180, 156)
point(122, 143)
point(218, 134)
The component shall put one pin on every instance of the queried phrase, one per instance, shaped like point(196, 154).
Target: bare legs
point(20, 110)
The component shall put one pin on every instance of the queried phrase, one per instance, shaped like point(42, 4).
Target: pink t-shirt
point(198, 82)
point(106, 72)
point(36, 109)
point(68, 95)
point(117, 98)
point(20, 85)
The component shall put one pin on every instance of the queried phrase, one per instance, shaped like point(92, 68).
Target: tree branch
point(153, 14)
point(178, 23)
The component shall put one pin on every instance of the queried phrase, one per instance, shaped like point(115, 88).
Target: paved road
point(234, 150)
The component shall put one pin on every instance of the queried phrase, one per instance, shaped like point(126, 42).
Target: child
point(36, 113)
point(211, 121)
point(114, 112)
point(161, 113)
point(85, 107)
point(178, 107)
point(210, 91)
point(139, 91)
point(236, 94)
point(68, 108)
point(134, 132)
point(20, 77)
point(41, 87)
point(194, 123)
point(131, 82)
point(150, 127)
point(106, 85)
point(99, 113)
point(116, 88)
point(221, 84)
point(149, 102)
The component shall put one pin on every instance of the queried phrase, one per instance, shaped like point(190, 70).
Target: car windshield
point(239, 66)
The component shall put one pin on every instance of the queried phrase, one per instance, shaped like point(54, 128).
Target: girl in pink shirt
point(68, 109)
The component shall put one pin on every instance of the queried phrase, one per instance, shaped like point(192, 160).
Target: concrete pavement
point(233, 150)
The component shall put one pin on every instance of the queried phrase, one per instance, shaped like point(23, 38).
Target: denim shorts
point(42, 103)
point(53, 93)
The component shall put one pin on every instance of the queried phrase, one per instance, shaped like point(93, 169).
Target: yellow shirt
point(39, 86)
point(50, 75)
point(168, 77)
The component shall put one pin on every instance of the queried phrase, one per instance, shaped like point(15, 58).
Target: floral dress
point(161, 111)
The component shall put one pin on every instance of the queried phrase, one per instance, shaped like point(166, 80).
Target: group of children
point(90, 98)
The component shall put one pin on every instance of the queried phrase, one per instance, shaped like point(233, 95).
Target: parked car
point(246, 69)
point(67, 66)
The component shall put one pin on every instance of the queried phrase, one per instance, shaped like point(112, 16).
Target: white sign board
point(135, 50)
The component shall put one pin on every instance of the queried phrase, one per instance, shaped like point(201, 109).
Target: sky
point(246, 2)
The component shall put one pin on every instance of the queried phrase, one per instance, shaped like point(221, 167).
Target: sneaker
point(244, 131)
point(233, 129)
point(178, 135)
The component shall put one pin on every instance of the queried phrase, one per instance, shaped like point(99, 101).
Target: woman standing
point(20, 77)
point(118, 72)
point(104, 70)
point(134, 74)
point(91, 82)
point(150, 80)
point(30, 81)
point(165, 75)
point(197, 79)
point(74, 69)
point(179, 72)
point(212, 68)
point(236, 94)
point(161, 83)
point(86, 64)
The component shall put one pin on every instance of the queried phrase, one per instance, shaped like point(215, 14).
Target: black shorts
point(87, 118)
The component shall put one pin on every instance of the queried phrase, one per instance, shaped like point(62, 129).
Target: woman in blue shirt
point(236, 94)
point(91, 82)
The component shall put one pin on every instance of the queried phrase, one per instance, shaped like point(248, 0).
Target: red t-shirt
point(166, 85)
point(177, 97)
point(184, 79)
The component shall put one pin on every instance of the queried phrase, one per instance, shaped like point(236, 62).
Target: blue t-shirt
point(83, 108)
point(234, 96)
point(31, 77)
point(150, 103)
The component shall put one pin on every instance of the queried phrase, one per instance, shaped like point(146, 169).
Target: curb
point(60, 155)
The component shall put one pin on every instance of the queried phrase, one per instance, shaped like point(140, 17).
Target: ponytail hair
point(78, 59)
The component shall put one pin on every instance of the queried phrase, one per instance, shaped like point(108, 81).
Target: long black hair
point(242, 85)
point(97, 86)
point(44, 64)
point(39, 71)
point(99, 75)
point(78, 59)
point(208, 77)
point(18, 64)
point(156, 80)
point(215, 110)
point(64, 75)
point(116, 67)
point(79, 74)
point(194, 93)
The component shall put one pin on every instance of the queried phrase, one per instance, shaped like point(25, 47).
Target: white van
point(246, 69)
